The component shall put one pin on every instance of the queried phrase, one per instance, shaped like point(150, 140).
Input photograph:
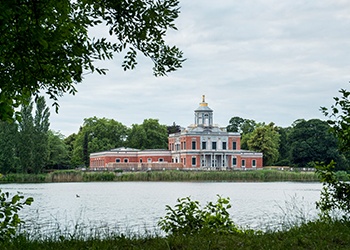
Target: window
point(117, 160)
point(160, 160)
point(126, 160)
point(204, 145)
point(194, 161)
point(254, 163)
point(234, 145)
point(213, 145)
point(140, 160)
point(193, 144)
point(243, 163)
point(184, 161)
point(149, 160)
point(224, 147)
point(184, 145)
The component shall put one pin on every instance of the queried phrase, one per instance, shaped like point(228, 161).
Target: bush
point(335, 194)
point(9, 208)
point(188, 218)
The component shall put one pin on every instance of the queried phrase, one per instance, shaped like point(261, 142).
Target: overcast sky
point(268, 60)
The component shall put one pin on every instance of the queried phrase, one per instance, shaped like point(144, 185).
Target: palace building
point(202, 145)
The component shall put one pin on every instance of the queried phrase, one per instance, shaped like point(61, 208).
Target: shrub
point(9, 219)
point(189, 218)
point(335, 194)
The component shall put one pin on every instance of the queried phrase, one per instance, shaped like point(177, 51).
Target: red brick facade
point(199, 146)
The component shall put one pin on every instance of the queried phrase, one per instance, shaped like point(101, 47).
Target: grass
point(170, 175)
point(310, 235)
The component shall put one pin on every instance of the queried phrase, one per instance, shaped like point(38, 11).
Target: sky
point(265, 60)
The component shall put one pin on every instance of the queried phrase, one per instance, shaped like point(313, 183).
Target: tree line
point(29, 146)
point(303, 144)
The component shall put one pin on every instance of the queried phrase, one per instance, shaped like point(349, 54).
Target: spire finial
point(203, 103)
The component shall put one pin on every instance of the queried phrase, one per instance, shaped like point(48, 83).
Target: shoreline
point(168, 175)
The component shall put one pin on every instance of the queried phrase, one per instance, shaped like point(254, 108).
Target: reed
point(310, 235)
point(23, 178)
point(168, 175)
point(262, 175)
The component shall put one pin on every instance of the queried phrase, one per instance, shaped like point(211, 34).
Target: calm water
point(135, 206)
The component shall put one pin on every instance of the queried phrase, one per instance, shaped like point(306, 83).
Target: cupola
point(203, 115)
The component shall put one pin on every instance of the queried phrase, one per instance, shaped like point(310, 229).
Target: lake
point(137, 206)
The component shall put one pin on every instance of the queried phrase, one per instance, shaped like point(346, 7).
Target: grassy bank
point(312, 235)
point(80, 176)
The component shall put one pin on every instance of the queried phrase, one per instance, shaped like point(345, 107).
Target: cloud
point(267, 60)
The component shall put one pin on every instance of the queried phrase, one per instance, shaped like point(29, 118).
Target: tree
point(40, 136)
point(8, 136)
point(243, 126)
point(240, 125)
point(97, 134)
point(45, 45)
point(58, 153)
point(265, 139)
point(136, 137)
point(311, 141)
point(149, 135)
point(284, 148)
point(25, 142)
point(173, 129)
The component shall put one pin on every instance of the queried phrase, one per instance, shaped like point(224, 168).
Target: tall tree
point(45, 45)
point(284, 148)
point(266, 139)
point(40, 136)
point(312, 141)
point(25, 143)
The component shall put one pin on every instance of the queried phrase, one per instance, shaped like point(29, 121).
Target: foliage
point(311, 141)
point(335, 194)
point(45, 45)
point(148, 135)
point(58, 157)
point(311, 235)
point(173, 129)
point(265, 139)
point(284, 146)
point(339, 119)
point(9, 208)
point(240, 125)
point(189, 218)
point(97, 134)
point(8, 156)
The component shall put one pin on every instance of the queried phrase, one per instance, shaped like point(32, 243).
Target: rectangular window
point(234, 145)
point(184, 145)
point(234, 161)
point(194, 161)
point(243, 163)
point(224, 145)
point(254, 163)
point(193, 144)
point(213, 145)
point(204, 145)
